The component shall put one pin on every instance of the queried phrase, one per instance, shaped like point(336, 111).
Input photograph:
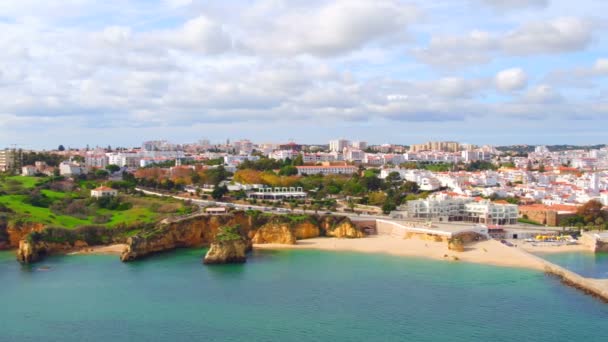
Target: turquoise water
point(289, 296)
point(587, 264)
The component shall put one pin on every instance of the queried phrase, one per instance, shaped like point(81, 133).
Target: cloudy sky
point(118, 72)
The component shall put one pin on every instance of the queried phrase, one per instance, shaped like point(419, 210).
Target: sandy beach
point(111, 249)
point(554, 249)
point(486, 252)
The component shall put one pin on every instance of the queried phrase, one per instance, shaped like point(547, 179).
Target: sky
point(119, 72)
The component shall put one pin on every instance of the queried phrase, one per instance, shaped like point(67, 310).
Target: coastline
point(554, 249)
point(115, 249)
point(489, 252)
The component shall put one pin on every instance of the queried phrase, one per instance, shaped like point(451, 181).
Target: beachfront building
point(443, 208)
point(104, 191)
point(275, 194)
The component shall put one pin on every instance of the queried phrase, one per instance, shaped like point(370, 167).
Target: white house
point(104, 191)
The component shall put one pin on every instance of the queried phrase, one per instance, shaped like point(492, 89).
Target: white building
point(96, 160)
point(338, 145)
point(326, 170)
point(29, 170)
point(444, 208)
point(352, 154)
point(359, 145)
point(125, 159)
point(69, 169)
point(104, 191)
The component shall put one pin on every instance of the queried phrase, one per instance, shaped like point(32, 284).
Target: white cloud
point(601, 66)
point(555, 36)
point(511, 80)
point(335, 28)
point(543, 94)
point(515, 4)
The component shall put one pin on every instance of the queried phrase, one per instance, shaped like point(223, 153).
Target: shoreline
point(115, 249)
point(488, 252)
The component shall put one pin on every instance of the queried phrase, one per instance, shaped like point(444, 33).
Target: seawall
point(595, 287)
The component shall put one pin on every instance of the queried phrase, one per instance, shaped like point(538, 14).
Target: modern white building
point(326, 170)
point(338, 145)
point(445, 209)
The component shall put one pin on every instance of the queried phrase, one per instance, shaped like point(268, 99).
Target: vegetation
point(59, 203)
point(228, 233)
point(589, 216)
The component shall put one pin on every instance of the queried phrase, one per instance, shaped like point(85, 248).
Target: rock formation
point(37, 244)
point(226, 252)
point(229, 247)
point(192, 232)
point(275, 232)
point(340, 227)
point(12, 233)
point(197, 231)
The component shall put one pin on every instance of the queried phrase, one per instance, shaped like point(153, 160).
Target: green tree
point(288, 170)
point(219, 192)
point(112, 168)
point(298, 161)
point(591, 211)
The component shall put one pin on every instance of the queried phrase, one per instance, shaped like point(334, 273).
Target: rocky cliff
point(340, 227)
point(13, 232)
point(230, 247)
point(255, 227)
point(192, 232)
point(37, 244)
point(226, 252)
point(275, 232)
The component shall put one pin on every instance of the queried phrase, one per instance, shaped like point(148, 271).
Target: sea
point(288, 296)
point(587, 264)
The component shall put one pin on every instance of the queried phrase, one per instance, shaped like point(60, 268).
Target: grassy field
point(13, 195)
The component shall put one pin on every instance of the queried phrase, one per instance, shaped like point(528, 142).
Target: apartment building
point(443, 208)
point(338, 145)
point(6, 160)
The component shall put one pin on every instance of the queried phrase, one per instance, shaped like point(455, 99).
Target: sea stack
point(230, 247)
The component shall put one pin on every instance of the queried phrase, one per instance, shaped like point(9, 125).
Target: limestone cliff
point(340, 227)
point(226, 252)
point(12, 233)
point(37, 244)
point(196, 231)
point(274, 232)
point(230, 247)
point(306, 230)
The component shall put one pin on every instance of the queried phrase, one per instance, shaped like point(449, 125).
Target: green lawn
point(26, 182)
point(142, 210)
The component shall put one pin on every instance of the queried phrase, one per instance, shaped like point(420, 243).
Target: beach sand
point(554, 249)
point(111, 249)
point(486, 252)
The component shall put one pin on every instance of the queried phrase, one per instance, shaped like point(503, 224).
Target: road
point(202, 202)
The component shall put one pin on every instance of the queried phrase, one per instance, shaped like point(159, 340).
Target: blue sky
point(78, 72)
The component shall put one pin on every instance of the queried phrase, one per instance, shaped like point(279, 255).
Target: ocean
point(587, 264)
point(288, 296)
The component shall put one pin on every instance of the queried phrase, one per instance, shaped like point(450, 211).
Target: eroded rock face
point(227, 252)
point(11, 234)
point(306, 230)
point(31, 252)
point(341, 227)
point(280, 233)
point(195, 232)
